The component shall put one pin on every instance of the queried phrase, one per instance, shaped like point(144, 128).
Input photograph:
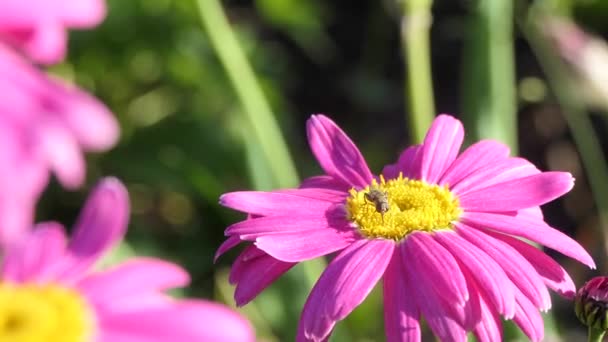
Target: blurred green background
point(186, 138)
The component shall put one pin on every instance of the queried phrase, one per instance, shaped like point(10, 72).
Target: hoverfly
point(380, 200)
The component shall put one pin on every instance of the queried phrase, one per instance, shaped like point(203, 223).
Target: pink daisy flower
point(45, 125)
point(39, 27)
point(50, 292)
point(439, 228)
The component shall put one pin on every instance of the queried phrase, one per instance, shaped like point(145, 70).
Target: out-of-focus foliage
point(182, 141)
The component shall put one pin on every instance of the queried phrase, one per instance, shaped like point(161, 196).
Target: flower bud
point(591, 303)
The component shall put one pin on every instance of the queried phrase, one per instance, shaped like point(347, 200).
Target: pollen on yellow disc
point(43, 313)
point(414, 205)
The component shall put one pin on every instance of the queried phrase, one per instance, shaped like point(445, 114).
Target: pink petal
point(407, 163)
point(183, 321)
point(528, 318)
point(501, 171)
point(489, 276)
point(81, 13)
point(47, 42)
point(519, 270)
point(134, 277)
point(92, 124)
point(401, 314)
point(30, 258)
point(554, 276)
point(519, 193)
point(253, 228)
point(489, 328)
point(534, 213)
point(432, 260)
point(343, 286)
point(230, 243)
point(277, 203)
point(336, 153)
point(437, 313)
point(305, 245)
point(253, 271)
point(531, 229)
point(326, 182)
point(476, 156)
point(102, 223)
point(440, 147)
point(63, 154)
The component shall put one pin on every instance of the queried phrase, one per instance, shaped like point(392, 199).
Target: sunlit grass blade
point(265, 130)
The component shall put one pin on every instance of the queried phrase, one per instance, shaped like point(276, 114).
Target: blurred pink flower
point(50, 289)
point(38, 28)
point(439, 227)
point(44, 125)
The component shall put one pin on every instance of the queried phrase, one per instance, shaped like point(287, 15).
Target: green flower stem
point(264, 129)
point(488, 87)
point(415, 41)
point(584, 135)
point(595, 335)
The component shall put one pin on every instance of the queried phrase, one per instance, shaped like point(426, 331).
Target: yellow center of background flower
point(395, 208)
point(43, 313)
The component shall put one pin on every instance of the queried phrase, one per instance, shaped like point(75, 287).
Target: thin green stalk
point(488, 88)
point(265, 138)
point(415, 42)
point(595, 335)
point(264, 129)
point(584, 135)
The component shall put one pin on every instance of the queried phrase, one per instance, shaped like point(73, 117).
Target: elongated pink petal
point(506, 169)
point(489, 275)
point(432, 260)
point(273, 203)
point(476, 156)
point(182, 321)
point(305, 245)
point(242, 262)
point(407, 162)
point(336, 153)
point(47, 42)
point(401, 314)
point(81, 13)
point(325, 182)
point(534, 213)
point(554, 276)
point(101, 224)
point(519, 270)
point(230, 243)
point(519, 193)
point(527, 318)
point(440, 147)
point(132, 278)
point(257, 227)
point(90, 121)
point(531, 229)
point(343, 285)
point(253, 271)
point(29, 259)
point(489, 328)
point(437, 313)
point(63, 154)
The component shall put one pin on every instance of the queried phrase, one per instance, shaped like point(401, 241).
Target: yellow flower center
point(43, 313)
point(395, 208)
